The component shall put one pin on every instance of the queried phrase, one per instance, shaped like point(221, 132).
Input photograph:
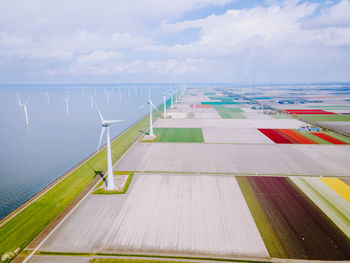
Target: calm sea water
point(33, 156)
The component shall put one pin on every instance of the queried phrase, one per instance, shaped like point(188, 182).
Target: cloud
point(335, 16)
point(279, 40)
point(110, 66)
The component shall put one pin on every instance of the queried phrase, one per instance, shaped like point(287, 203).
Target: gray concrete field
point(182, 214)
point(227, 135)
point(228, 123)
point(279, 159)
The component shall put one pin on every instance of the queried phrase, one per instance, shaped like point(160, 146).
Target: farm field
point(229, 123)
point(231, 135)
point(322, 117)
point(184, 219)
point(233, 183)
point(179, 134)
point(301, 230)
point(278, 159)
point(332, 204)
point(290, 136)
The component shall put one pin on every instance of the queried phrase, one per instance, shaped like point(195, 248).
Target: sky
point(116, 41)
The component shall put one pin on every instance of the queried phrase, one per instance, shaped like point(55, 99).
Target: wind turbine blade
point(149, 92)
point(154, 106)
point(26, 102)
point(111, 121)
point(99, 112)
point(101, 136)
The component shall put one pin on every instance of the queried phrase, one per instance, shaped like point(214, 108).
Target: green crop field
point(235, 110)
point(324, 117)
point(179, 134)
point(229, 113)
point(27, 224)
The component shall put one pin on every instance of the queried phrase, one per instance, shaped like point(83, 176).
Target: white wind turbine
point(105, 125)
point(91, 101)
point(107, 96)
point(151, 106)
point(120, 94)
point(24, 108)
point(47, 97)
point(171, 99)
point(67, 103)
point(164, 102)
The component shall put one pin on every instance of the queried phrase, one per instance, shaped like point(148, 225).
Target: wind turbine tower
point(105, 126)
point(47, 97)
point(164, 101)
point(67, 104)
point(24, 108)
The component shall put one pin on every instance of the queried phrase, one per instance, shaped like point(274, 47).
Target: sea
point(31, 157)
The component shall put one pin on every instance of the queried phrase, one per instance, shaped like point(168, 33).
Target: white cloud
point(335, 16)
point(114, 38)
point(162, 67)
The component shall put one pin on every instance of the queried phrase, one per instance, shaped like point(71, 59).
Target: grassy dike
point(20, 230)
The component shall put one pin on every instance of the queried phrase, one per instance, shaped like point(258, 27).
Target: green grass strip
point(324, 117)
point(333, 205)
point(28, 223)
point(179, 134)
point(269, 237)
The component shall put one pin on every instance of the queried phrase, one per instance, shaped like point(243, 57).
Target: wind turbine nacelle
point(105, 124)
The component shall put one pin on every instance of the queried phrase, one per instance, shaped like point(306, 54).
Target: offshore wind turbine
point(67, 104)
point(120, 94)
point(47, 97)
point(105, 126)
point(107, 96)
point(24, 108)
point(91, 101)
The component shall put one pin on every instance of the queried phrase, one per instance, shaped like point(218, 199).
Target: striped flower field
point(291, 224)
point(291, 136)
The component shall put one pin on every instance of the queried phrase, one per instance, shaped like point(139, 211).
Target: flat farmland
point(84, 230)
point(229, 123)
point(280, 159)
point(297, 228)
point(227, 135)
point(332, 204)
point(187, 214)
point(179, 134)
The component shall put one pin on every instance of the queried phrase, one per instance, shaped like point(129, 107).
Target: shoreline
point(122, 143)
point(31, 199)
